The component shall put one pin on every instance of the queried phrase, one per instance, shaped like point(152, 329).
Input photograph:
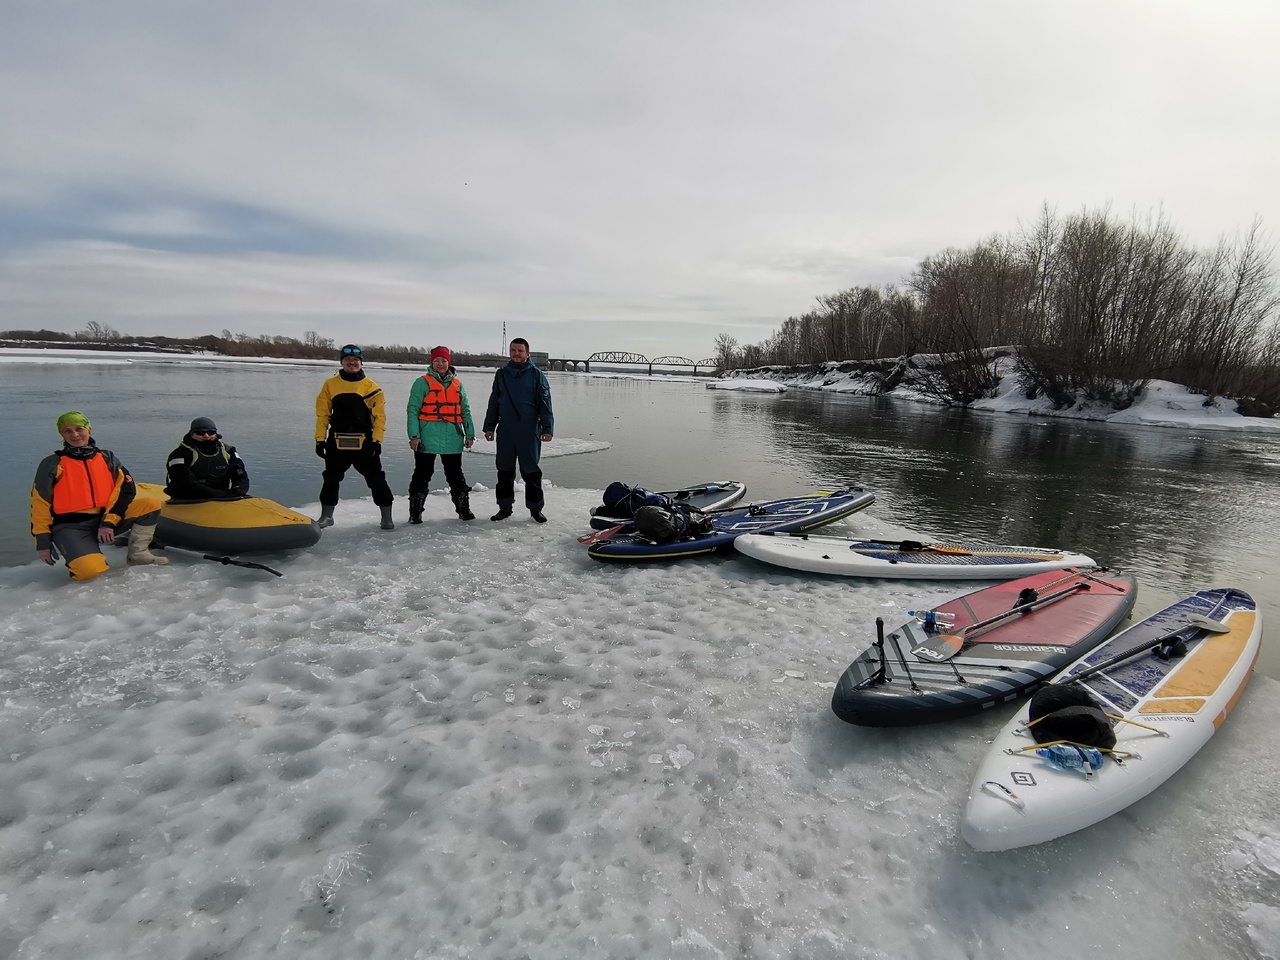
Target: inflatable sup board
point(982, 649)
point(716, 495)
point(247, 525)
point(791, 513)
point(904, 559)
point(1172, 679)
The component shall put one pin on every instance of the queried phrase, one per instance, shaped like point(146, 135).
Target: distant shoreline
point(1162, 404)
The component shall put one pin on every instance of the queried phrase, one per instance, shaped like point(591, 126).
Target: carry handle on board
point(944, 646)
point(1195, 621)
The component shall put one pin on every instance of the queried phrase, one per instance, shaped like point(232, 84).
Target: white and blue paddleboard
point(1186, 666)
point(904, 559)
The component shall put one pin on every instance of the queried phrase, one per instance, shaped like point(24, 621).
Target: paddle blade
point(1207, 623)
point(601, 535)
point(939, 648)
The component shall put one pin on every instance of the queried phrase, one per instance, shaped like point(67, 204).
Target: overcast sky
point(600, 175)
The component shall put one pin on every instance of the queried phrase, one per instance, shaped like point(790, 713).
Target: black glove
point(320, 448)
point(375, 447)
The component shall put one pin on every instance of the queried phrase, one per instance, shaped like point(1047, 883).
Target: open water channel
point(1182, 509)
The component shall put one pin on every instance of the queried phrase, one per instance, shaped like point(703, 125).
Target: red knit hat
point(441, 352)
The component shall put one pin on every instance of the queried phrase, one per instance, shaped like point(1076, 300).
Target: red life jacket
point(442, 401)
point(84, 485)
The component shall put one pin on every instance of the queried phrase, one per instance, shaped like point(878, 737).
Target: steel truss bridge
point(622, 357)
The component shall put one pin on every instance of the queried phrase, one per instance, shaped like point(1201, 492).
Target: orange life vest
point(84, 485)
point(442, 401)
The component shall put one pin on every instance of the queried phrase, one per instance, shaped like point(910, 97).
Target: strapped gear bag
point(1068, 711)
point(621, 500)
point(665, 524)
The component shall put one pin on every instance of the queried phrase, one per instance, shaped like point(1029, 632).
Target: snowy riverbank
point(1162, 404)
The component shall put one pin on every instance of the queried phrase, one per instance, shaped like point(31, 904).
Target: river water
point(1182, 509)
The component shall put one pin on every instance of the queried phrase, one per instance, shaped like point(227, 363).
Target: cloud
point(712, 167)
point(160, 222)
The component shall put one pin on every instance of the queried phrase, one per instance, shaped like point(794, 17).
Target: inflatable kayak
point(248, 525)
point(904, 559)
point(1167, 684)
point(983, 649)
point(716, 495)
point(790, 513)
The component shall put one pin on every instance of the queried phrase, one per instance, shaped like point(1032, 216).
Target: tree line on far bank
point(1094, 308)
point(99, 336)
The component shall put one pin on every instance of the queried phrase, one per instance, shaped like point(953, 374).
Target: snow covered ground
point(471, 741)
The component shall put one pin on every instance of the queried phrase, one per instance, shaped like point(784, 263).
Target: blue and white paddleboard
point(714, 495)
point(790, 513)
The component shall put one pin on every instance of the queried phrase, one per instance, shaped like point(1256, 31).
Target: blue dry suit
point(520, 412)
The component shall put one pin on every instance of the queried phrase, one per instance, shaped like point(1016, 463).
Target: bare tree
point(313, 339)
point(726, 349)
point(96, 332)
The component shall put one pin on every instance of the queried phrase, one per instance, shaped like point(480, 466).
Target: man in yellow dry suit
point(350, 419)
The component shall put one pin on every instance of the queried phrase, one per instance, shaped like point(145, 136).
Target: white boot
point(140, 547)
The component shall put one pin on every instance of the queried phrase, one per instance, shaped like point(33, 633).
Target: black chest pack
point(212, 465)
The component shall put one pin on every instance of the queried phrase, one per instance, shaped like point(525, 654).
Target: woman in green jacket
point(439, 422)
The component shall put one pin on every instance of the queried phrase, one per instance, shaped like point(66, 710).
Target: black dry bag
point(1067, 711)
point(662, 525)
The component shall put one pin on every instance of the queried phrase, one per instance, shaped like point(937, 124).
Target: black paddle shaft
point(222, 560)
point(1131, 652)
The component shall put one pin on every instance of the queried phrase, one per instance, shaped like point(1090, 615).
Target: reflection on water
point(1180, 509)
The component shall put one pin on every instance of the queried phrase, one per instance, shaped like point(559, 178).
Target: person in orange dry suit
point(83, 497)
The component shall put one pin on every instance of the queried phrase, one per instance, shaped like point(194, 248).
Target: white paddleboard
point(1019, 798)
point(905, 559)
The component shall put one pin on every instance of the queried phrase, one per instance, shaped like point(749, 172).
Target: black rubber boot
point(502, 514)
point(326, 517)
point(462, 503)
point(387, 523)
point(416, 502)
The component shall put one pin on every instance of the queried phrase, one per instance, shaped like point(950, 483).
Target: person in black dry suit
point(202, 467)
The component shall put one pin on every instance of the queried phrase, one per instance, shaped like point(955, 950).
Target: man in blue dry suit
point(520, 413)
